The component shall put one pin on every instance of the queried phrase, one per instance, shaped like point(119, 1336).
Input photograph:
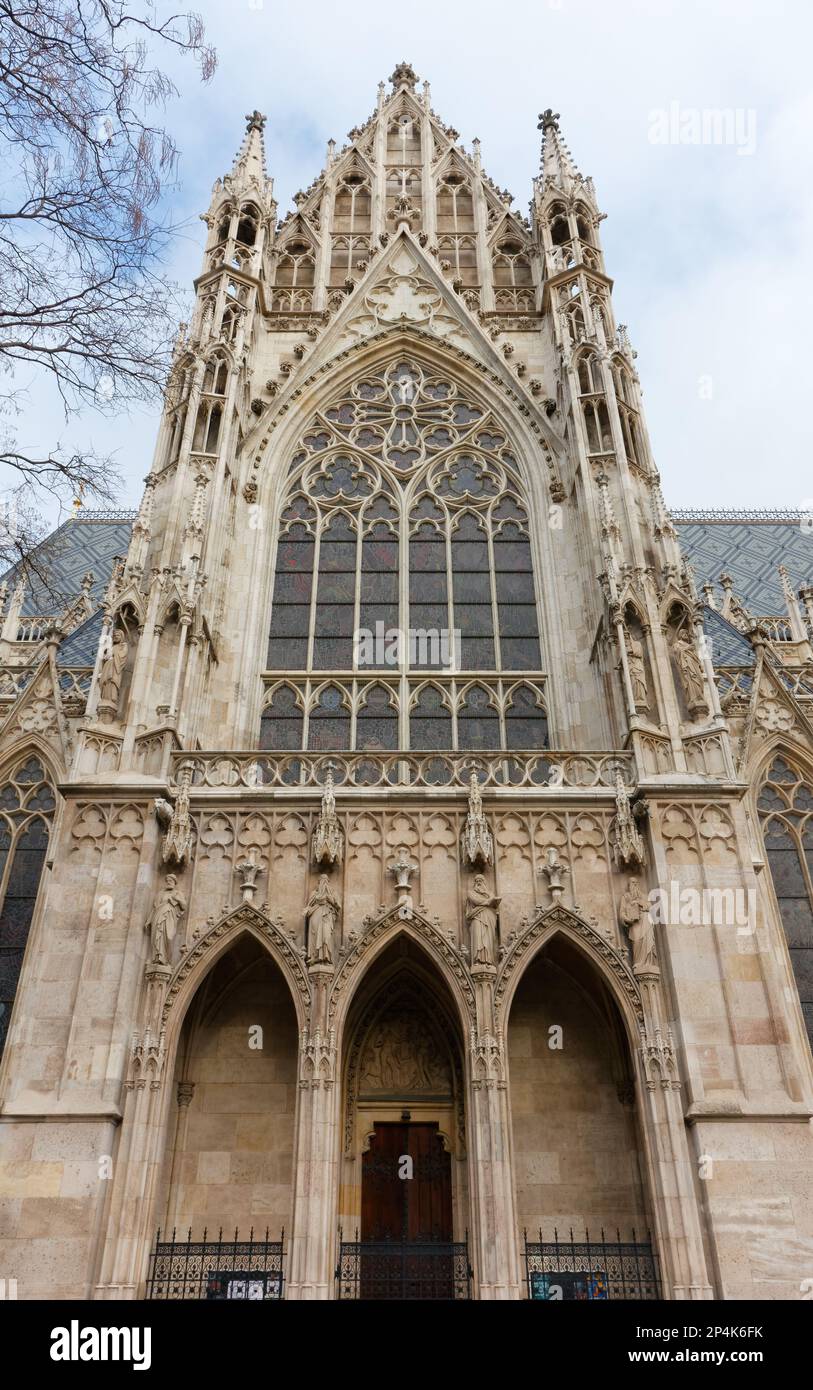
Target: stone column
point(493, 1247)
point(684, 1272)
point(129, 1224)
point(311, 1258)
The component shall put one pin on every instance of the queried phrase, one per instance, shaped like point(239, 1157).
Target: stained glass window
point(786, 810)
point(26, 808)
point(404, 547)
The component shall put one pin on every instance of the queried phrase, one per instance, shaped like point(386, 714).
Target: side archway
point(571, 1011)
point(229, 1159)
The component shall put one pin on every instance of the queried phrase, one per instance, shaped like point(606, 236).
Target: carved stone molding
point(317, 1059)
point(246, 916)
point(440, 947)
point(544, 923)
point(487, 1053)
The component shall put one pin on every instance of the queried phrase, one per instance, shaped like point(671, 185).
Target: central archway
point(404, 1179)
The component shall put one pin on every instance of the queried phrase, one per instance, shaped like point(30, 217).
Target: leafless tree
point(83, 234)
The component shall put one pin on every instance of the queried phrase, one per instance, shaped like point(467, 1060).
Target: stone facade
point(522, 898)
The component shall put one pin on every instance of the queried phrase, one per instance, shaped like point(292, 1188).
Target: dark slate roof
point(728, 646)
point(749, 546)
point(89, 541)
point(80, 646)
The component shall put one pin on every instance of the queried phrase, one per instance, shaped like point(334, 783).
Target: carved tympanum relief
point(403, 1057)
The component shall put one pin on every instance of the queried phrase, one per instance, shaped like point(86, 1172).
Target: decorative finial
point(477, 844)
point(328, 839)
point(547, 119)
point(404, 74)
point(256, 121)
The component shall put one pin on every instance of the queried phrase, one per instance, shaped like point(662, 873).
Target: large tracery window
point(26, 808)
point(786, 810)
point(404, 549)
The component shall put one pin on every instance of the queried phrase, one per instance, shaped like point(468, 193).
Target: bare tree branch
point(82, 233)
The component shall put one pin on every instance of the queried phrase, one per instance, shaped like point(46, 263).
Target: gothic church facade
point(399, 794)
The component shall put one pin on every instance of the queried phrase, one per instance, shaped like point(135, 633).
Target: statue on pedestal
point(635, 917)
point(322, 917)
point(163, 922)
point(481, 915)
point(111, 670)
point(690, 669)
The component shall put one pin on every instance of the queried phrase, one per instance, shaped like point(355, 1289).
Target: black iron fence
point(217, 1269)
point(404, 1270)
point(581, 1270)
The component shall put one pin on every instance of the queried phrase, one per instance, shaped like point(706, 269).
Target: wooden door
point(406, 1221)
point(395, 1206)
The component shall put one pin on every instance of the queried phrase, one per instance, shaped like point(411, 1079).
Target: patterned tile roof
point(88, 542)
point(80, 646)
point(728, 646)
point(749, 546)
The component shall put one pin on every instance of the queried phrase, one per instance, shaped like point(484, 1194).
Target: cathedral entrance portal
point(404, 1194)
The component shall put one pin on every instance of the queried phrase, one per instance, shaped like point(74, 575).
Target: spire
point(557, 168)
point(249, 164)
point(247, 177)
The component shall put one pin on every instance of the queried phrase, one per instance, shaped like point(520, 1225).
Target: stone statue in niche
point(690, 669)
point(164, 920)
point(637, 670)
point(402, 1057)
point(481, 914)
point(111, 670)
point(322, 917)
point(636, 919)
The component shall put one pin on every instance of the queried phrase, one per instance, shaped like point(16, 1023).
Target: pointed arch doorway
point(406, 1182)
point(404, 1193)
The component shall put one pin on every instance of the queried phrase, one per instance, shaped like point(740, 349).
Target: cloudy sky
point(708, 243)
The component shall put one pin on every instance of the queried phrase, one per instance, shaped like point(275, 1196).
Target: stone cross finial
point(548, 118)
point(404, 73)
point(255, 121)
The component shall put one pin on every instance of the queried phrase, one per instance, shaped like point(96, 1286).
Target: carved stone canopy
point(629, 850)
point(328, 837)
point(178, 838)
point(477, 845)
